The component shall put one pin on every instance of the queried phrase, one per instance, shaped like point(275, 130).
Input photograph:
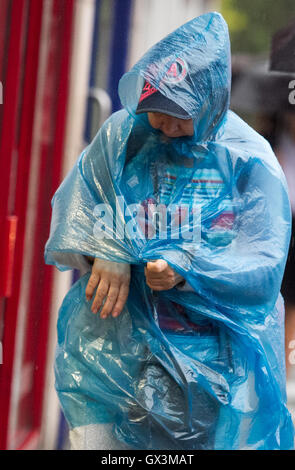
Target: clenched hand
point(160, 276)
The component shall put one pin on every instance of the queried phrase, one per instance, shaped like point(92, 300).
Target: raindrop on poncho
point(199, 366)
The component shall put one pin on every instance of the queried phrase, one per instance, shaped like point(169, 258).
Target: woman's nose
point(169, 127)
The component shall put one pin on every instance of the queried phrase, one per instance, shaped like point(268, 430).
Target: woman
point(186, 217)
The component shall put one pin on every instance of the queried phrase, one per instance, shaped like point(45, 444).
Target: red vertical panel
point(55, 106)
point(22, 83)
point(9, 109)
point(5, 6)
point(29, 87)
point(8, 262)
point(7, 147)
point(4, 13)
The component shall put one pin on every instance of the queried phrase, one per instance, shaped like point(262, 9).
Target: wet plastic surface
point(198, 367)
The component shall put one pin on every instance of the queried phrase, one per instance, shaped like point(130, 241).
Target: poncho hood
point(192, 67)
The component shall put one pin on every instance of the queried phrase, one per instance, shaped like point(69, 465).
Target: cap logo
point(147, 90)
point(177, 72)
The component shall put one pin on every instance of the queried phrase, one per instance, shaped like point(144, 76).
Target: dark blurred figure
point(279, 129)
point(282, 60)
point(262, 98)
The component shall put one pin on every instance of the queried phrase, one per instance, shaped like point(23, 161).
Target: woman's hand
point(160, 276)
point(112, 282)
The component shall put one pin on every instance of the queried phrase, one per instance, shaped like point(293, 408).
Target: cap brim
point(160, 110)
point(158, 103)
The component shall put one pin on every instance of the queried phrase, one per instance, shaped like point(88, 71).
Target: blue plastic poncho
point(199, 366)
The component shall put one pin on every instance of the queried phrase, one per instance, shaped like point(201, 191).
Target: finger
point(100, 295)
point(157, 284)
point(158, 287)
point(155, 275)
point(122, 297)
point(110, 301)
point(167, 274)
point(91, 285)
point(157, 266)
point(160, 284)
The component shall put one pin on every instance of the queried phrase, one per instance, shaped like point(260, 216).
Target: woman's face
point(170, 125)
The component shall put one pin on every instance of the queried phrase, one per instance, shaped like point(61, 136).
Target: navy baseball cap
point(151, 100)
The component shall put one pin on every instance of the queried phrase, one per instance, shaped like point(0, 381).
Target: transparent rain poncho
point(199, 366)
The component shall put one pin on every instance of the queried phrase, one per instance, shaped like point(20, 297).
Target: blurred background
point(60, 63)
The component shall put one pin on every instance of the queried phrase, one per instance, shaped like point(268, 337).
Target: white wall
point(78, 91)
point(154, 19)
